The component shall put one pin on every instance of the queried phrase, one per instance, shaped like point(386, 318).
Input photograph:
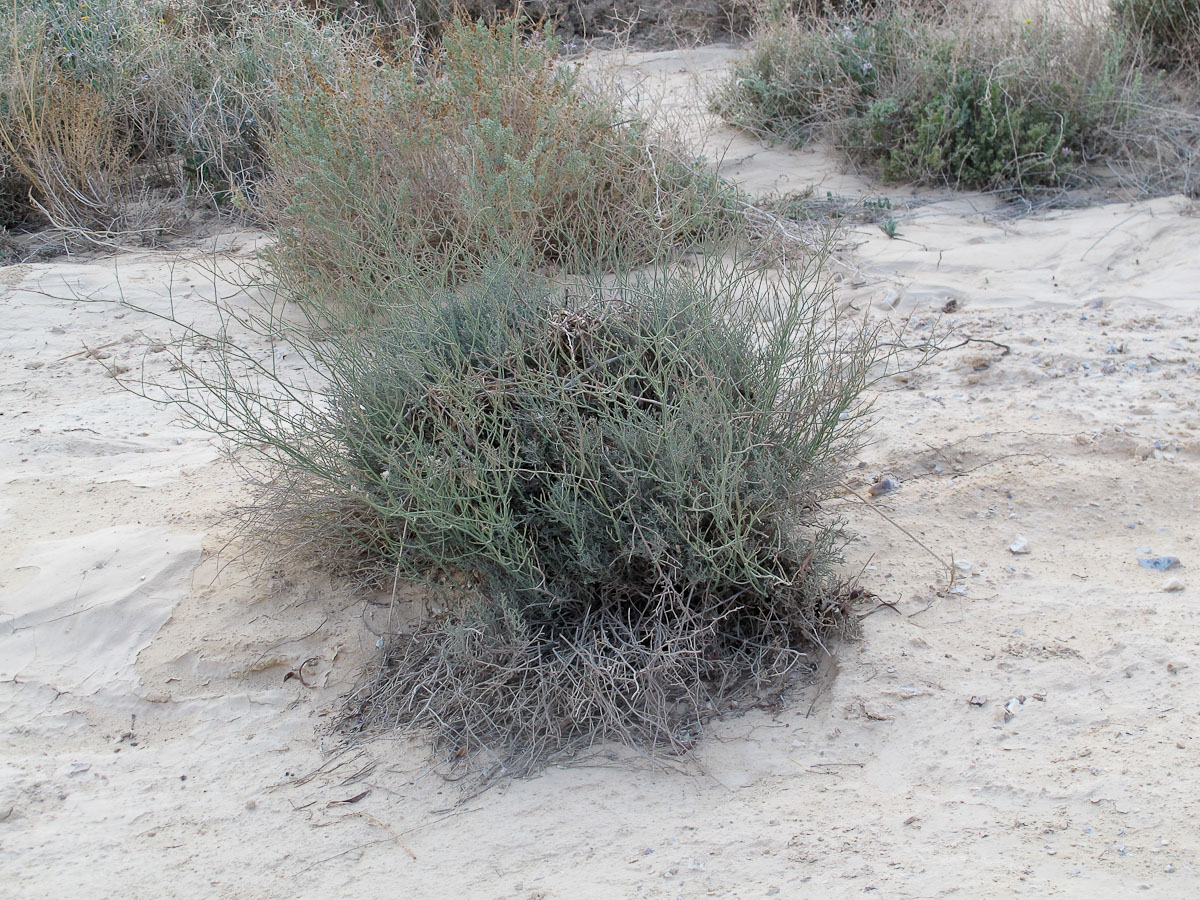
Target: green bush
point(1011, 110)
point(490, 142)
point(990, 117)
point(1169, 29)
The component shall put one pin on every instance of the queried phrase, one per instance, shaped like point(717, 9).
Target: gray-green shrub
point(621, 482)
point(488, 142)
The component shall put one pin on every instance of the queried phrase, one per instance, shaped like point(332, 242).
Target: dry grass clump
point(991, 105)
point(113, 111)
point(656, 23)
point(489, 141)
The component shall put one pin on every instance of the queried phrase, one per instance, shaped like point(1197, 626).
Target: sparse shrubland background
point(550, 371)
point(120, 120)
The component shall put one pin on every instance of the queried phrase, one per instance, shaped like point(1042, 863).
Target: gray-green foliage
point(622, 479)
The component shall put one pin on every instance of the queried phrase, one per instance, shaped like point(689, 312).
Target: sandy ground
point(1029, 729)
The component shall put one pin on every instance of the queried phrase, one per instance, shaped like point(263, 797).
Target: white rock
point(1019, 545)
point(1172, 584)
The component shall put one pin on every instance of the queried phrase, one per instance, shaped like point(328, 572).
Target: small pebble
point(1158, 563)
point(884, 485)
point(1019, 545)
point(1172, 584)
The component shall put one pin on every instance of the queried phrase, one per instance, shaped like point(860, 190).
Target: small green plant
point(889, 228)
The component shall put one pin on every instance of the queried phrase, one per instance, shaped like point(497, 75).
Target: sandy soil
point(1029, 729)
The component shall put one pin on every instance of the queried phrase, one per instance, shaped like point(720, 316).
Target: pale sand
point(152, 746)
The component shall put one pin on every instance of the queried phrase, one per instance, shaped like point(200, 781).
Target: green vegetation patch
point(995, 108)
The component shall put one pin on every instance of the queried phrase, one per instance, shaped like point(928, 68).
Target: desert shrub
point(1020, 113)
point(220, 94)
point(620, 482)
point(169, 96)
point(64, 113)
point(996, 107)
point(61, 141)
point(490, 142)
point(801, 76)
point(1168, 29)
